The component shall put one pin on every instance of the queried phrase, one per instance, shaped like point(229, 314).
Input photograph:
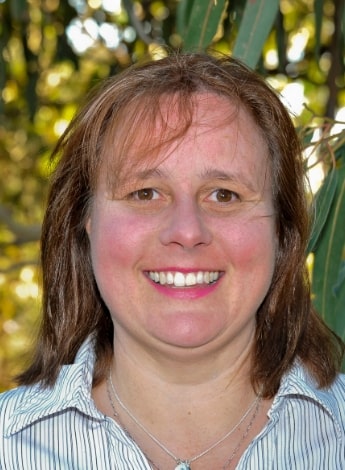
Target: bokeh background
point(54, 51)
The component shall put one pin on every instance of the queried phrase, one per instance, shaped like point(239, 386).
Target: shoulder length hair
point(287, 326)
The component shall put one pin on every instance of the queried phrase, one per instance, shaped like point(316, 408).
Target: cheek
point(252, 245)
point(116, 242)
point(109, 245)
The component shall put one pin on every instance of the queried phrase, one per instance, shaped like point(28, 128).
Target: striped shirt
point(61, 429)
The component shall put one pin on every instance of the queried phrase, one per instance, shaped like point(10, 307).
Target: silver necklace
point(182, 464)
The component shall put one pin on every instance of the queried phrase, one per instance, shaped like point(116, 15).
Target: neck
point(184, 463)
point(201, 380)
point(188, 404)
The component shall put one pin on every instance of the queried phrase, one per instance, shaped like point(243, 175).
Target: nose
point(185, 226)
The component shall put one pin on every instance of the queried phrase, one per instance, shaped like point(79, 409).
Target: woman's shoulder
point(335, 394)
point(12, 399)
point(10, 402)
point(337, 391)
point(331, 399)
point(339, 384)
point(300, 384)
point(301, 379)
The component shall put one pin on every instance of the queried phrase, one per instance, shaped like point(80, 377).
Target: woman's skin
point(183, 253)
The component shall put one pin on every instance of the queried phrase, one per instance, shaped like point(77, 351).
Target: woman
point(177, 327)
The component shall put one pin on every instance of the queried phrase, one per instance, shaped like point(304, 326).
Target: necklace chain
point(185, 464)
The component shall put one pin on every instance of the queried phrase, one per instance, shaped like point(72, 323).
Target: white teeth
point(179, 280)
point(190, 279)
point(184, 280)
point(200, 277)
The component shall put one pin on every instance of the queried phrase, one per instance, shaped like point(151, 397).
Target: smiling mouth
point(178, 279)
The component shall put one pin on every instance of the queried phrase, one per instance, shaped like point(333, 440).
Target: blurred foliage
point(328, 239)
point(54, 51)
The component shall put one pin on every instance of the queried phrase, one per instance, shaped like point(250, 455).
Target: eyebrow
point(150, 173)
point(233, 177)
point(211, 173)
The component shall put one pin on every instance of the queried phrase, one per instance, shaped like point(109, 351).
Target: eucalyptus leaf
point(341, 280)
point(18, 10)
point(328, 257)
point(339, 317)
point(340, 152)
point(183, 13)
point(257, 22)
point(202, 24)
point(343, 23)
point(281, 41)
point(321, 206)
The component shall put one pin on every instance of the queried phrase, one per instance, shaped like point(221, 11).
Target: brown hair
point(287, 326)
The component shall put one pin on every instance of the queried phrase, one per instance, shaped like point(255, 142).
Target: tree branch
point(137, 25)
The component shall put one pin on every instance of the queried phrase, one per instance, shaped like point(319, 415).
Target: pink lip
point(175, 269)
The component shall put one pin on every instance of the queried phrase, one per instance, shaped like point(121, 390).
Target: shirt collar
point(74, 384)
point(299, 383)
point(72, 390)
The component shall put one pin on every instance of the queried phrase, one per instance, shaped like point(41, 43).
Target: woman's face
point(184, 251)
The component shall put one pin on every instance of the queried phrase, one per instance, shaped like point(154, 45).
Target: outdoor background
point(53, 51)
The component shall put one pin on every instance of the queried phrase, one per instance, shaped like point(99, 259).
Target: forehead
point(204, 119)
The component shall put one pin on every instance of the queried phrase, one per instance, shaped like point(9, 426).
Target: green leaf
point(19, 10)
point(339, 313)
point(328, 261)
point(281, 41)
point(340, 152)
point(322, 205)
point(343, 22)
point(341, 279)
point(258, 19)
point(202, 23)
point(183, 13)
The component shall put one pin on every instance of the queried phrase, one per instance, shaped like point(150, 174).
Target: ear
point(88, 226)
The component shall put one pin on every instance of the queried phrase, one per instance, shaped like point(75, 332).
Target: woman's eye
point(145, 194)
point(224, 195)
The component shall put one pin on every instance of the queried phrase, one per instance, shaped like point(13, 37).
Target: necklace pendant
point(183, 465)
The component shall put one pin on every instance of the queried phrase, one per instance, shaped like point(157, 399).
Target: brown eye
point(145, 194)
point(225, 195)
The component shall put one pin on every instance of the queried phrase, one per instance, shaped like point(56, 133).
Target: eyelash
point(222, 195)
point(135, 195)
point(231, 195)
